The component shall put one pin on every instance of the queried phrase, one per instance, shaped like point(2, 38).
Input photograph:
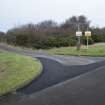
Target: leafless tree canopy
point(48, 34)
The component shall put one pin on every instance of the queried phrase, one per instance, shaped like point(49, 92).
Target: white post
point(87, 34)
point(87, 41)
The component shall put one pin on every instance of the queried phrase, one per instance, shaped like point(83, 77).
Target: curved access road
point(61, 84)
point(54, 73)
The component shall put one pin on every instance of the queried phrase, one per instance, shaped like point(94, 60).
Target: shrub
point(84, 40)
point(98, 38)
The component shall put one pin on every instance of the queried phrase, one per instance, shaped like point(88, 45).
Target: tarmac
point(60, 83)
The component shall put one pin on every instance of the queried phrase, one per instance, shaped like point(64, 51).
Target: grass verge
point(93, 50)
point(16, 71)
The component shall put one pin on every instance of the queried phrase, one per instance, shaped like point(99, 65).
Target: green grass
point(94, 50)
point(16, 71)
point(97, 49)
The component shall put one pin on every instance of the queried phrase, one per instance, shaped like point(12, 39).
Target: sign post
point(88, 34)
point(79, 34)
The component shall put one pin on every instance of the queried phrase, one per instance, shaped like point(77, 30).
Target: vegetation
point(16, 70)
point(49, 34)
point(93, 50)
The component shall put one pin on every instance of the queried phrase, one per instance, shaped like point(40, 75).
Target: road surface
point(61, 84)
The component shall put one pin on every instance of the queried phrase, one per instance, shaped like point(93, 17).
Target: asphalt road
point(61, 84)
point(86, 89)
point(54, 72)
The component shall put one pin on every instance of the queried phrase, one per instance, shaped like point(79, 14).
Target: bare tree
point(47, 24)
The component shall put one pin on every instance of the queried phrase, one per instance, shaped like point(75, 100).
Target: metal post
point(78, 43)
point(78, 27)
point(79, 39)
point(87, 38)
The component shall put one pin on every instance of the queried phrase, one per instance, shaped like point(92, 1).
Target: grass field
point(93, 50)
point(17, 70)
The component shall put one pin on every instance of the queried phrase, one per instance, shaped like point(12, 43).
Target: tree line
point(49, 34)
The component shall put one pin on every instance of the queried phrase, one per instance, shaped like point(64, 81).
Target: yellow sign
point(88, 33)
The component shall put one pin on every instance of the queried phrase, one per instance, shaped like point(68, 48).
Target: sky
point(18, 12)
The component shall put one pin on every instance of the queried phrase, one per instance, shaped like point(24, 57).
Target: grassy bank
point(93, 50)
point(16, 70)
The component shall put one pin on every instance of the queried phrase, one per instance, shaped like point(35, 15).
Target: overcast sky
point(18, 12)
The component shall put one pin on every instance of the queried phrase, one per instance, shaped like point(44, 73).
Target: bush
point(36, 37)
point(58, 41)
point(84, 40)
point(22, 40)
point(98, 38)
point(40, 41)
